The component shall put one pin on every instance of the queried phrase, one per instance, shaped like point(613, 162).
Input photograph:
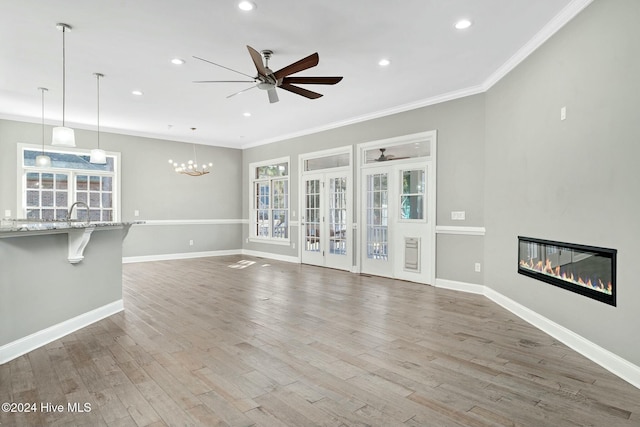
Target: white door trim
point(324, 173)
point(431, 138)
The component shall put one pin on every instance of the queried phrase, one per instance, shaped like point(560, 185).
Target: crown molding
point(553, 26)
point(449, 96)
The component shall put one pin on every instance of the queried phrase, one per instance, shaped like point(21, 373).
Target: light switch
point(563, 113)
point(136, 213)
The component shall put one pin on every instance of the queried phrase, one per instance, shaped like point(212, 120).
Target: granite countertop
point(24, 225)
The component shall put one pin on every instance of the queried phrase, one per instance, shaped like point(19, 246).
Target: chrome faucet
point(71, 210)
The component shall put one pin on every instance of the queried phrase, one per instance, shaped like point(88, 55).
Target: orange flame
point(548, 269)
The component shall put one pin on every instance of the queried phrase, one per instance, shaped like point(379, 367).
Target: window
point(270, 200)
point(47, 193)
point(412, 198)
point(326, 162)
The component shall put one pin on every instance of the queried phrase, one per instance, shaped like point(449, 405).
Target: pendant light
point(43, 160)
point(98, 156)
point(63, 136)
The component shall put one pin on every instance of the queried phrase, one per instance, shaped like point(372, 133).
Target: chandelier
point(191, 168)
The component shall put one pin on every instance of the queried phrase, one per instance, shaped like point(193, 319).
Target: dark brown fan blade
point(300, 91)
point(257, 61)
point(308, 62)
point(312, 80)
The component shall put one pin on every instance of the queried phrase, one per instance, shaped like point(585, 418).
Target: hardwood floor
point(244, 341)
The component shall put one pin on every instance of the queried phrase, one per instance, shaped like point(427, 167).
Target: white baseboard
point(26, 344)
point(187, 255)
point(460, 286)
point(608, 360)
point(603, 357)
point(268, 255)
point(183, 255)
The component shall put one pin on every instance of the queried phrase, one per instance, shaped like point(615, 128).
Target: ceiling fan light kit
point(63, 136)
point(269, 80)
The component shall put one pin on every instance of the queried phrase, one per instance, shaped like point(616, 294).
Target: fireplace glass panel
point(587, 270)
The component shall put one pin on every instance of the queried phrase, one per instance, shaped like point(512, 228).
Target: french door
point(397, 232)
point(326, 220)
point(375, 225)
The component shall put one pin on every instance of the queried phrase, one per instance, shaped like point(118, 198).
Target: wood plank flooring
point(241, 341)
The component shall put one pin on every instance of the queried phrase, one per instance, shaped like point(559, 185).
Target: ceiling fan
point(269, 80)
point(386, 157)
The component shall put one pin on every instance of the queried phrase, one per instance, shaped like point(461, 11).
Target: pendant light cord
point(64, 75)
point(195, 157)
point(42, 89)
point(98, 75)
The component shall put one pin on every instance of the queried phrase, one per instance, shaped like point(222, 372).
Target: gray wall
point(39, 288)
point(150, 186)
point(460, 125)
point(575, 180)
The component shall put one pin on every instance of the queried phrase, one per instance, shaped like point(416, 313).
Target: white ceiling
point(132, 41)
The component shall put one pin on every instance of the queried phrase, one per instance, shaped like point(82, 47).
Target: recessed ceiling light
point(247, 114)
point(462, 24)
point(384, 62)
point(246, 5)
point(136, 92)
point(177, 61)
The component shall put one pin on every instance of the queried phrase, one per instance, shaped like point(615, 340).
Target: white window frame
point(22, 171)
point(407, 168)
point(253, 219)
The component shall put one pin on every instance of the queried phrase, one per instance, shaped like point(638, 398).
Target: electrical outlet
point(246, 240)
point(190, 242)
point(458, 215)
point(136, 213)
point(293, 245)
point(478, 267)
point(7, 213)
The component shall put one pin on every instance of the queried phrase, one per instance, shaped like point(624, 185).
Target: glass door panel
point(312, 215)
point(338, 215)
point(412, 200)
point(377, 215)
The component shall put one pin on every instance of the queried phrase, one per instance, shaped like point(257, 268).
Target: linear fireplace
point(586, 270)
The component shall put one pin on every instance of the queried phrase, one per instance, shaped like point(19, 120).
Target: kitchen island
point(55, 278)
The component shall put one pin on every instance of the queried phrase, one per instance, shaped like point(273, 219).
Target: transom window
point(270, 200)
point(47, 193)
